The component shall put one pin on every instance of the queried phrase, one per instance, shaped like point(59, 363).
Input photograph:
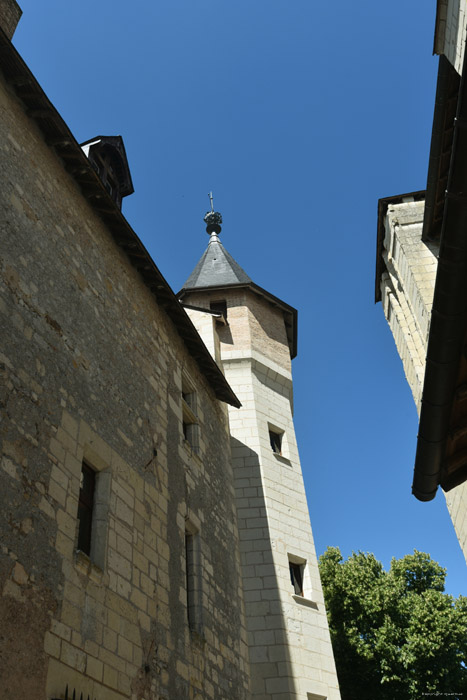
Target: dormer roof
point(108, 157)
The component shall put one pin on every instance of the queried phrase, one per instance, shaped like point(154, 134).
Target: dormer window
point(105, 168)
point(107, 156)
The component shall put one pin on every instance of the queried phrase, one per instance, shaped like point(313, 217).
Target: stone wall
point(254, 324)
point(456, 501)
point(450, 31)
point(288, 637)
point(92, 369)
point(407, 287)
point(10, 14)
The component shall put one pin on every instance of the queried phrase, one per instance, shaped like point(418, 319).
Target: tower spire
point(212, 219)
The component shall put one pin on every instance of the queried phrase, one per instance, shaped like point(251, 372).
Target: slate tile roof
point(217, 268)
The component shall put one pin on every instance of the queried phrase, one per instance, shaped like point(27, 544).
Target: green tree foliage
point(396, 635)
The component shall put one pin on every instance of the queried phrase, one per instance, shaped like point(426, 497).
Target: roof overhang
point(117, 148)
point(447, 91)
point(59, 138)
point(441, 457)
point(290, 314)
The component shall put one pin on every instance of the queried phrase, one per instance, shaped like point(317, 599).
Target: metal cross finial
point(212, 219)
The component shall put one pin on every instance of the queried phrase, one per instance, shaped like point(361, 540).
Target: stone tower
point(252, 335)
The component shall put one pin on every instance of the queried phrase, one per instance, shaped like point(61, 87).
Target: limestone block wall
point(407, 294)
point(407, 287)
point(205, 324)
point(450, 31)
point(92, 369)
point(456, 501)
point(254, 323)
point(288, 637)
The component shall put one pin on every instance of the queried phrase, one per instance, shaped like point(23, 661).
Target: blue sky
point(299, 116)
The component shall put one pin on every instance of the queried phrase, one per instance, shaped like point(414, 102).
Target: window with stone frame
point(190, 423)
point(275, 440)
point(296, 577)
point(93, 513)
point(193, 579)
point(85, 507)
point(297, 567)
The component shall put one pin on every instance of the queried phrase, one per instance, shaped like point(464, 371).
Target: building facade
point(155, 544)
point(421, 279)
point(255, 340)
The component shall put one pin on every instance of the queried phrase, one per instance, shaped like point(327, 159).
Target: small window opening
point(193, 579)
point(190, 425)
point(219, 307)
point(85, 508)
point(296, 577)
point(190, 578)
point(275, 440)
point(102, 163)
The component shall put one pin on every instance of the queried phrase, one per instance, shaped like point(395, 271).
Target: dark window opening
point(193, 587)
point(296, 577)
point(190, 425)
point(85, 507)
point(102, 163)
point(276, 442)
point(189, 398)
point(219, 307)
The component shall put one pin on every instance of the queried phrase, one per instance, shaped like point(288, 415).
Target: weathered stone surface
point(407, 287)
point(407, 290)
point(10, 13)
point(287, 635)
point(91, 367)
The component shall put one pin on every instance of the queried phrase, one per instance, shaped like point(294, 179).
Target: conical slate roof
point(217, 268)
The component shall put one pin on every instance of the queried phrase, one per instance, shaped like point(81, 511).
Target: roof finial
point(212, 219)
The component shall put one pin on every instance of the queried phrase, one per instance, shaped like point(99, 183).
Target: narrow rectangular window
point(296, 577)
point(190, 579)
point(190, 425)
point(275, 440)
point(85, 508)
point(193, 579)
point(93, 513)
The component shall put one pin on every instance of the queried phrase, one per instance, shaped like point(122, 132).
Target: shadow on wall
point(270, 663)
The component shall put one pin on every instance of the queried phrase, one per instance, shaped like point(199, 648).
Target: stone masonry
point(407, 288)
point(93, 370)
point(451, 29)
point(155, 545)
point(288, 636)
